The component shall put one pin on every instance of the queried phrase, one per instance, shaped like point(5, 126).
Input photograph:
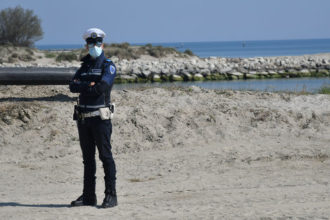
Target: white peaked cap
point(93, 33)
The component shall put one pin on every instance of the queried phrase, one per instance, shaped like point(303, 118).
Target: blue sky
point(142, 21)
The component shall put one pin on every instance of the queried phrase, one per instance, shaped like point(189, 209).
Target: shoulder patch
point(112, 69)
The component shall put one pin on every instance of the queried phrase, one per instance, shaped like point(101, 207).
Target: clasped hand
point(91, 84)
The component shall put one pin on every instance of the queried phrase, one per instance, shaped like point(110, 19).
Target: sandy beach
point(180, 154)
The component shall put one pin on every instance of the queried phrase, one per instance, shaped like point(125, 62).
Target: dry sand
point(180, 154)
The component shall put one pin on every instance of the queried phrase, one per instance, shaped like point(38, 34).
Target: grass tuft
point(325, 90)
point(66, 56)
point(49, 54)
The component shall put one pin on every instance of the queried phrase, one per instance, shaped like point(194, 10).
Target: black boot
point(87, 201)
point(110, 200)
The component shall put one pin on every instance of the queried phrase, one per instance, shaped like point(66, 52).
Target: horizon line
point(179, 42)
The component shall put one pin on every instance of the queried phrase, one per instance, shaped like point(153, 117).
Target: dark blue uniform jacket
point(102, 71)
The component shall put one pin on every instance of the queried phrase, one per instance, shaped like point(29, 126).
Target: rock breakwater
point(217, 68)
point(174, 68)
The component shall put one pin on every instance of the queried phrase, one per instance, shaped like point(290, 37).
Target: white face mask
point(95, 51)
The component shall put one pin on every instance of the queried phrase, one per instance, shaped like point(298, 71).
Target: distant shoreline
point(232, 49)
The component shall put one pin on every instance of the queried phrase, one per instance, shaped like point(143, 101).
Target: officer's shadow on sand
point(58, 97)
point(14, 204)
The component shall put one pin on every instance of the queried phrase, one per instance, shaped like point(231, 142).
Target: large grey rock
point(205, 72)
point(271, 72)
point(198, 76)
point(242, 70)
point(133, 77)
point(165, 71)
point(226, 70)
point(327, 67)
point(237, 74)
point(146, 73)
point(304, 71)
point(136, 71)
point(186, 75)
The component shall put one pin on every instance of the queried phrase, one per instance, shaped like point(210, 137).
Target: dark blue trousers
point(96, 132)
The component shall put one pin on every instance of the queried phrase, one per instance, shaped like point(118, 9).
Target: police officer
point(94, 80)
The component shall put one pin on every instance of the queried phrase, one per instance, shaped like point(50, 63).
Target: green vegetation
point(321, 73)
point(50, 55)
point(124, 45)
point(121, 53)
point(158, 51)
point(22, 57)
point(325, 90)
point(189, 52)
point(26, 57)
point(12, 54)
point(66, 56)
point(29, 51)
point(19, 27)
point(127, 51)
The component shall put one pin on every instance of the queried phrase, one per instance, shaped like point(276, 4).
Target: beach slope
point(180, 153)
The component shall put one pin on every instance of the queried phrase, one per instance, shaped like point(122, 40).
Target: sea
point(241, 49)
point(296, 85)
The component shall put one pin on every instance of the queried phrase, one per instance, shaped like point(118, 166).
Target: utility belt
point(105, 113)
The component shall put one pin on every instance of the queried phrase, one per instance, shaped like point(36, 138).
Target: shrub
point(29, 51)
point(189, 52)
point(160, 51)
point(126, 51)
point(26, 57)
point(325, 90)
point(50, 55)
point(11, 60)
point(19, 27)
point(14, 55)
point(154, 52)
point(122, 53)
point(124, 45)
point(66, 56)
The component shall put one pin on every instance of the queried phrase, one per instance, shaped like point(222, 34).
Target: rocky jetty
point(217, 68)
point(176, 68)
